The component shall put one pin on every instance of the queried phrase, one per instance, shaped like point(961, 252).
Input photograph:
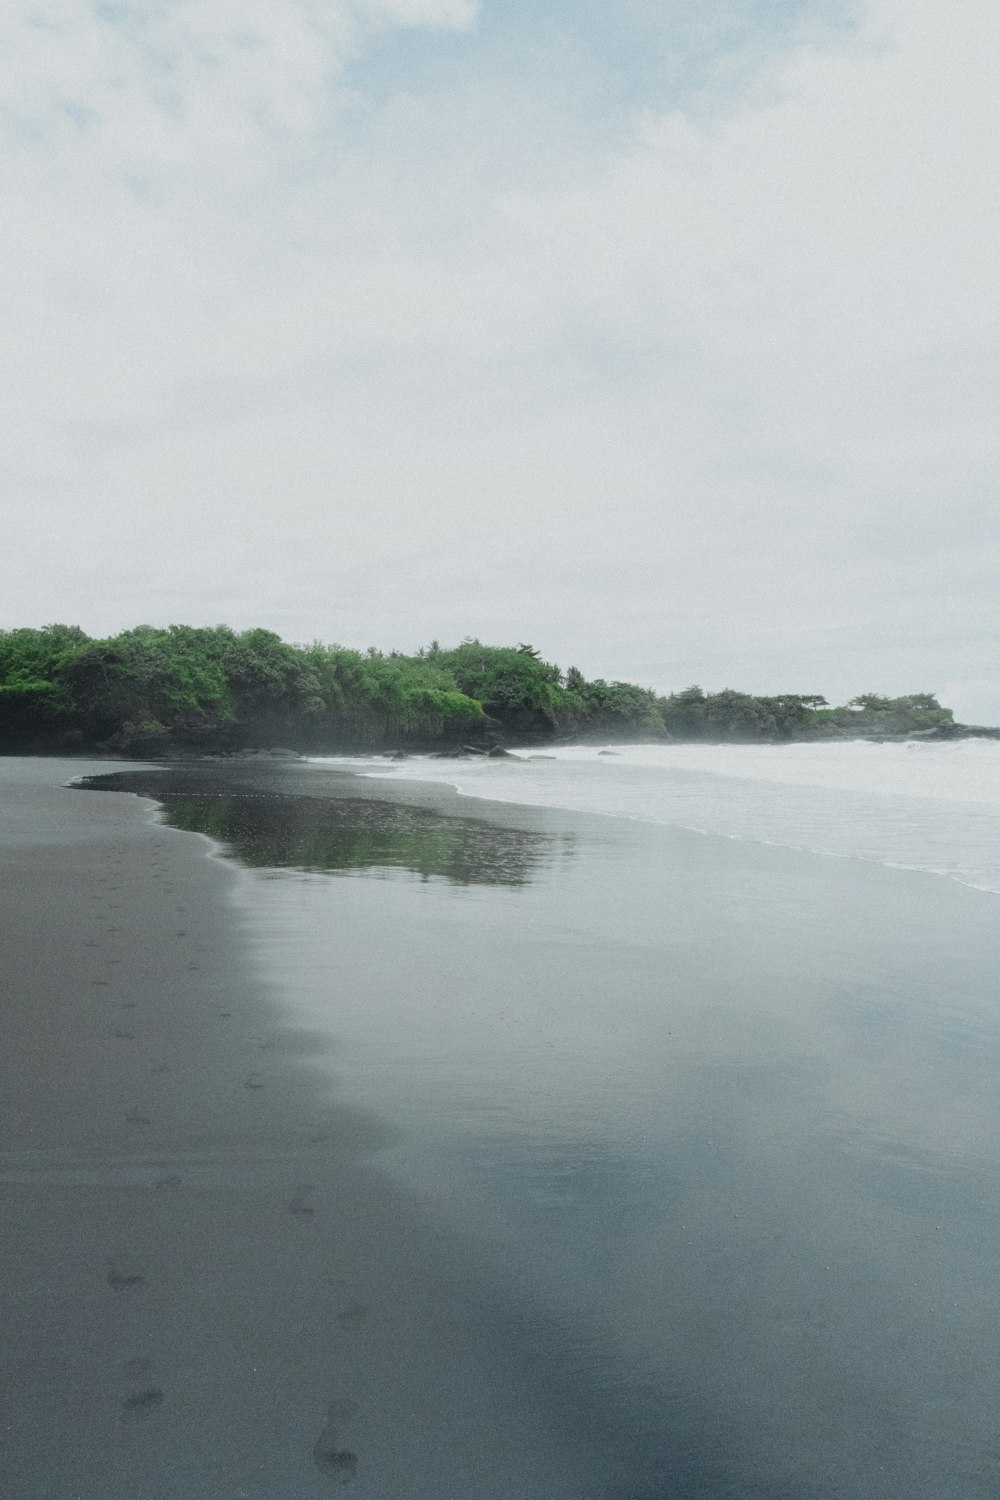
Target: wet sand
point(207, 1288)
point(452, 1149)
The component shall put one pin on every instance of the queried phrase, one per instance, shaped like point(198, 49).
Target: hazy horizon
point(665, 342)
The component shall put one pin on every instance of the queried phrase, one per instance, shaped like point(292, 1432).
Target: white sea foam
point(932, 807)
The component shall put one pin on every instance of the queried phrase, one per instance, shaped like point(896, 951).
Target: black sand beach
point(205, 1294)
point(450, 1150)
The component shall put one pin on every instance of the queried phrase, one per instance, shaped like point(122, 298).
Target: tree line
point(148, 691)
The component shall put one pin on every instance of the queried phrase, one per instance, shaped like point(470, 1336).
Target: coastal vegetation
point(152, 691)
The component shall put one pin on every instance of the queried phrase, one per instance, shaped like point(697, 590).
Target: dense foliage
point(148, 690)
point(695, 715)
point(211, 687)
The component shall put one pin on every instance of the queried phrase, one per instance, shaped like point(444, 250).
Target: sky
point(663, 337)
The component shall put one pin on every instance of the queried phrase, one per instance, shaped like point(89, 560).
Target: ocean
point(915, 805)
point(687, 1058)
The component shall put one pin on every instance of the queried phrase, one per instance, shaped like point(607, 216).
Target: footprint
point(301, 1200)
point(353, 1315)
point(329, 1456)
point(148, 1396)
point(122, 1273)
point(123, 1035)
point(254, 1081)
point(129, 1004)
point(147, 1399)
point(159, 1069)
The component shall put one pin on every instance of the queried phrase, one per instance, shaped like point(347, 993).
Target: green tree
point(619, 708)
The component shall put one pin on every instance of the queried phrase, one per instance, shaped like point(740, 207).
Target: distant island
point(210, 690)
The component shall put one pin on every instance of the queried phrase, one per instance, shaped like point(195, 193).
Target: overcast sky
point(663, 336)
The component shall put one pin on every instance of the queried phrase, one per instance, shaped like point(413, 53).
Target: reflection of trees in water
point(278, 830)
point(350, 834)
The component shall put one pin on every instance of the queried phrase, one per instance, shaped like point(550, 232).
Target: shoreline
point(520, 1146)
point(208, 1287)
point(395, 747)
point(440, 775)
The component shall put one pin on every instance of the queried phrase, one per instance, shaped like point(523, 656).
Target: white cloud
point(152, 83)
point(457, 15)
point(707, 396)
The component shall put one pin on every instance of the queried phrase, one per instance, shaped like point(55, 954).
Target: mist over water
point(931, 807)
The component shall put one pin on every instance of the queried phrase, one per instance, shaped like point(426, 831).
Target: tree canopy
point(151, 689)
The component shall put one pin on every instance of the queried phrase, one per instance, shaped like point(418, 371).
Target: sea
point(917, 805)
point(690, 1057)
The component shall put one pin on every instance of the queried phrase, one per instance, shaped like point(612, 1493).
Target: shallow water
point(710, 1125)
point(931, 806)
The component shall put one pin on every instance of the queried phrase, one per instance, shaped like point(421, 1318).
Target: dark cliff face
point(283, 739)
point(323, 734)
point(145, 741)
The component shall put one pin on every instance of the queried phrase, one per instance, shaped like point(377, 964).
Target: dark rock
point(276, 754)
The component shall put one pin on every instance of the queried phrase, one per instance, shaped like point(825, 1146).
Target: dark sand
point(206, 1289)
point(527, 1154)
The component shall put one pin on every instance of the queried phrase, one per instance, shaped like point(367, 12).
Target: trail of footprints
point(329, 1454)
point(145, 1397)
point(109, 886)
